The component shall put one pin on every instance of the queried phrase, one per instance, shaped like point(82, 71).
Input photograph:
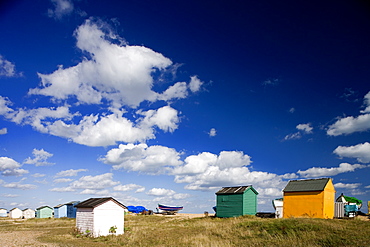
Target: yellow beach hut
point(312, 198)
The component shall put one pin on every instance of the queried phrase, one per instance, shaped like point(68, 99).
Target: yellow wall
point(313, 204)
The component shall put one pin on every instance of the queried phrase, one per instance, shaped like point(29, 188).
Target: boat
point(169, 209)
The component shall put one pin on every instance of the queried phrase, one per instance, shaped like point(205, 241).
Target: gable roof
point(306, 185)
point(94, 202)
point(235, 190)
point(44, 207)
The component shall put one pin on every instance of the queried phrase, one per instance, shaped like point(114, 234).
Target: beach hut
point(278, 206)
point(312, 198)
point(100, 216)
point(66, 210)
point(44, 212)
point(28, 213)
point(236, 201)
point(15, 213)
point(3, 212)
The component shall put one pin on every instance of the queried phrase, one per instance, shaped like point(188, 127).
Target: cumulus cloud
point(62, 180)
point(303, 129)
point(141, 158)
point(307, 128)
point(346, 186)
point(89, 184)
point(129, 187)
point(349, 125)
point(20, 186)
point(3, 131)
point(7, 69)
point(195, 84)
point(40, 158)
point(70, 172)
point(361, 152)
point(61, 8)
point(160, 192)
point(212, 132)
point(10, 167)
point(332, 171)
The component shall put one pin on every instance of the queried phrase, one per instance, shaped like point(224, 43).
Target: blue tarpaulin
point(136, 209)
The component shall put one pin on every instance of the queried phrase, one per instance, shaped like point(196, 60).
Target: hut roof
point(43, 207)
point(235, 190)
point(94, 202)
point(306, 185)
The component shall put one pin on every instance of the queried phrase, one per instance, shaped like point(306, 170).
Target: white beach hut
point(3, 212)
point(15, 213)
point(100, 216)
point(278, 205)
point(28, 213)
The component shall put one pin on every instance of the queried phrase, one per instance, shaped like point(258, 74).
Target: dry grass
point(183, 231)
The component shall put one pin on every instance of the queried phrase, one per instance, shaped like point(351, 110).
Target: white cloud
point(129, 187)
point(349, 125)
point(95, 192)
point(366, 103)
point(38, 175)
point(10, 167)
point(18, 185)
point(307, 128)
point(61, 9)
point(195, 84)
point(4, 103)
point(63, 189)
point(152, 160)
point(292, 110)
point(360, 151)
point(212, 132)
point(70, 173)
point(9, 195)
point(166, 118)
point(94, 182)
point(293, 136)
point(3, 131)
point(7, 69)
point(332, 171)
point(161, 192)
point(122, 74)
point(40, 157)
point(62, 180)
point(346, 186)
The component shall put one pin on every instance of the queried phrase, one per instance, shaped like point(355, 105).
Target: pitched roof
point(94, 202)
point(235, 190)
point(43, 207)
point(306, 185)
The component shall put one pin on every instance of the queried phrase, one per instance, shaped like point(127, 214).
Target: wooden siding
point(85, 219)
point(3, 212)
point(313, 204)
point(238, 204)
point(28, 213)
point(45, 212)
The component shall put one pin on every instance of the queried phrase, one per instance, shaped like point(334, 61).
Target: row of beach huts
point(59, 211)
point(314, 198)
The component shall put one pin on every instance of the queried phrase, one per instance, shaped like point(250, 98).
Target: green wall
point(233, 205)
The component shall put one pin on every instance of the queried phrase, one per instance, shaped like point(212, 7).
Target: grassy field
point(179, 231)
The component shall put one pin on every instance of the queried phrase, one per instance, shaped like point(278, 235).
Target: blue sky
point(167, 102)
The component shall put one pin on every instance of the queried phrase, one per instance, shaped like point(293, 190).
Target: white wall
point(107, 215)
point(16, 213)
point(28, 213)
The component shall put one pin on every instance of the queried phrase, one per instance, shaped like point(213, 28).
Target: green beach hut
point(236, 201)
point(44, 212)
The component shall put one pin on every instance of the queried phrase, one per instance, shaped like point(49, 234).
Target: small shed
point(100, 216)
point(312, 198)
point(66, 210)
point(278, 206)
point(3, 212)
point(28, 213)
point(15, 213)
point(44, 212)
point(236, 201)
